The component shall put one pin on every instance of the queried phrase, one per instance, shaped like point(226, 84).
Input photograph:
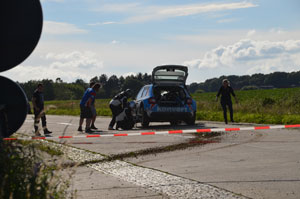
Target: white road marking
point(158, 181)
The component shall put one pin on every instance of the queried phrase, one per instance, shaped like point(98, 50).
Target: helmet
point(128, 93)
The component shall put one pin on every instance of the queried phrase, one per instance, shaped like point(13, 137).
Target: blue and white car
point(167, 98)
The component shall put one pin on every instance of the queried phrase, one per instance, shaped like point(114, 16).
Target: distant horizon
point(81, 38)
point(188, 83)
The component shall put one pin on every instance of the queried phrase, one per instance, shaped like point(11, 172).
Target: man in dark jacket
point(117, 104)
point(226, 91)
point(38, 110)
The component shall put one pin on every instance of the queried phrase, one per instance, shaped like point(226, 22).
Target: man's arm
point(217, 96)
point(89, 102)
point(233, 94)
point(34, 103)
point(124, 102)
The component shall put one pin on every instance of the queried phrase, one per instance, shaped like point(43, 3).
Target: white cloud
point(93, 58)
point(129, 74)
point(202, 8)
point(227, 20)
point(251, 33)
point(102, 23)
point(52, 1)
point(252, 56)
point(121, 7)
point(115, 42)
point(211, 39)
point(59, 28)
point(139, 13)
point(68, 66)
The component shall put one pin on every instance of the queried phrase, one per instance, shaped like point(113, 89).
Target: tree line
point(247, 82)
point(60, 90)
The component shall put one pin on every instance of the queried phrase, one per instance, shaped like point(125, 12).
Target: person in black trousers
point(117, 105)
point(226, 91)
point(39, 112)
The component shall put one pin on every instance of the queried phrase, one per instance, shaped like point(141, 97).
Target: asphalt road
point(254, 164)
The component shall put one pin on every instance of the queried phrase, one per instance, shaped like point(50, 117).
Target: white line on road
point(158, 181)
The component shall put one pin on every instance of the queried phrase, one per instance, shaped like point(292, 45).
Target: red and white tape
point(164, 132)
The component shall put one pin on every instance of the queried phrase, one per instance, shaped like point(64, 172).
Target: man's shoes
point(79, 128)
point(37, 134)
point(89, 130)
point(111, 128)
point(93, 127)
point(47, 132)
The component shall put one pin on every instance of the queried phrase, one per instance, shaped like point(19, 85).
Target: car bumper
point(169, 116)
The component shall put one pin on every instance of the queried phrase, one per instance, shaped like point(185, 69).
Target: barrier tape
point(164, 132)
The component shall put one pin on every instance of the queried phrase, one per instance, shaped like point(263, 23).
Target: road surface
point(242, 164)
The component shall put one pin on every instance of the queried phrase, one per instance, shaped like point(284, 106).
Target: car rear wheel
point(145, 119)
point(191, 120)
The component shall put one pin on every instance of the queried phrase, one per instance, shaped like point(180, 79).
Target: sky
point(82, 39)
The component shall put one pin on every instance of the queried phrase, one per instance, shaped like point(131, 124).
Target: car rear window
point(169, 75)
point(164, 93)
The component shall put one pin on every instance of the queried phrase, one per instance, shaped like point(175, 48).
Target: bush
point(23, 174)
point(249, 88)
point(268, 102)
point(199, 91)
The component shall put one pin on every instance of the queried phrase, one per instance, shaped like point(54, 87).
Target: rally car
point(167, 98)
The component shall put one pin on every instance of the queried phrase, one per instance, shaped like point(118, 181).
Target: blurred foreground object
point(13, 107)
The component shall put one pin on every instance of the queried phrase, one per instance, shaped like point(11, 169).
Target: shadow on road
point(166, 126)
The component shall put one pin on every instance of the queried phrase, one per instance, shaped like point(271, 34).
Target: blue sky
point(85, 38)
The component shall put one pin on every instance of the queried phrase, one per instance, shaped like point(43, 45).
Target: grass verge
point(24, 173)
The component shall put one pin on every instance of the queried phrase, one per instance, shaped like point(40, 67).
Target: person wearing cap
point(226, 91)
point(86, 107)
point(117, 104)
point(38, 110)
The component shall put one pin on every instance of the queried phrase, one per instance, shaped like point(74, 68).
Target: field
point(274, 106)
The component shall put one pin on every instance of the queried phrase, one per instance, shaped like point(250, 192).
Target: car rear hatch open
point(169, 96)
point(168, 75)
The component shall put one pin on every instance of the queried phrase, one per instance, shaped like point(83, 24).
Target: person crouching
point(117, 104)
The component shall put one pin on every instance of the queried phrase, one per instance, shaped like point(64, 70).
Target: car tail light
point(189, 101)
point(151, 100)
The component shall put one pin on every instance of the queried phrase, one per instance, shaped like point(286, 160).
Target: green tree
point(133, 84)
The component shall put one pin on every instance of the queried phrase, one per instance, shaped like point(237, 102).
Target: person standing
point(93, 111)
point(38, 110)
point(116, 105)
point(226, 91)
point(85, 107)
